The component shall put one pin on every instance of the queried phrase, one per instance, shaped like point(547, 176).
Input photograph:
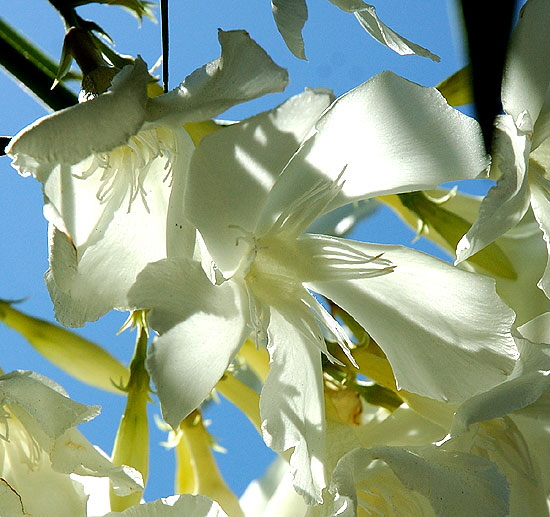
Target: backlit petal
point(201, 327)
point(445, 331)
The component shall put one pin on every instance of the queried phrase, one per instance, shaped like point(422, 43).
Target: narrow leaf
point(33, 69)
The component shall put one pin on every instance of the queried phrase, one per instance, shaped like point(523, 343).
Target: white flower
point(109, 165)
point(40, 447)
point(522, 147)
point(445, 331)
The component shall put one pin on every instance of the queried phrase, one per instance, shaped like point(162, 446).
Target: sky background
point(341, 55)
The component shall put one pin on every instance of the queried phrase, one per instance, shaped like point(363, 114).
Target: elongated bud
point(77, 356)
point(132, 440)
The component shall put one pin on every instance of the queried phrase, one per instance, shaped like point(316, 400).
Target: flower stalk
point(132, 440)
point(207, 479)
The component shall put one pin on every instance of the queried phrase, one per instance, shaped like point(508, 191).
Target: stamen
point(304, 210)
point(129, 165)
point(334, 258)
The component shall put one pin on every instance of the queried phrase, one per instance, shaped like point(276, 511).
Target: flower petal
point(527, 382)
point(202, 326)
point(243, 72)
point(175, 506)
point(104, 244)
point(527, 72)
point(233, 170)
point(453, 483)
point(290, 17)
point(507, 202)
point(42, 405)
point(367, 17)
point(388, 135)
point(540, 199)
point(291, 405)
point(99, 125)
point(445, 331)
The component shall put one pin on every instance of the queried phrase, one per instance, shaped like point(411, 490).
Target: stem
point(33, 69)
point(165, 41)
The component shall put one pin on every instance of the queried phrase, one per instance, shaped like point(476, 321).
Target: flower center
point(127, 166)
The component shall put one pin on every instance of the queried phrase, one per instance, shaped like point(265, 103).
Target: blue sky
point(341, 55)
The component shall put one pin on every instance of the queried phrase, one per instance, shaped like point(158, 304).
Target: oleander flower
point(109, 166)
point(40, 450)
point(522, 160)
point(445, 331)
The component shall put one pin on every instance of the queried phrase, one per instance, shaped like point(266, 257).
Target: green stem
point(32, 69)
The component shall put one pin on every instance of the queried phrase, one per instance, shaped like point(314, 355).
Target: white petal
point(454, 484)
point(292, 407)
point(10, 500)
point(72, 453)
point(99, 125)
point(503, 442)
point(273, 494)
point(233, 170)
point(175, 506)
point(523, 246)
point(527, 382)
point(527, 70)
point(445, 331)
point(243, 72)
point(110, 241)
point(507, 202)
point(202, 327)
point(367, 17)
point(540, 202)
point(44, 411)
point(388, 135)
point(290, 17)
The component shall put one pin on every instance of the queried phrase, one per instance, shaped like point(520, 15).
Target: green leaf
point(451, 228)
point(33, 69)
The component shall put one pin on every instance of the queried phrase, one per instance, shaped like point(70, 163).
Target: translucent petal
point(243, 72)
point(529, 379)
point(233, 170)
point(290, 17)
point(99, 125)
point(445, 331)
point(291, 405)
point(453, 483)
point(202, 326)
point(540, 202)
point(388, 135)
point(527, 72)
point(43, 409)
point(367, 17)
point(273, 495)
point(507, 202)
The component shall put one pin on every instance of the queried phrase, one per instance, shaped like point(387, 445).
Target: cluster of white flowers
point(205, 227)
